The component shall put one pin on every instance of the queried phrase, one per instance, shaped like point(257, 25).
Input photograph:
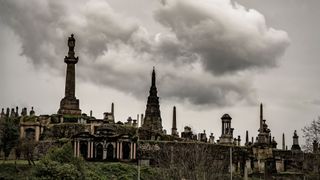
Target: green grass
point(9, 170)
point(19, 162)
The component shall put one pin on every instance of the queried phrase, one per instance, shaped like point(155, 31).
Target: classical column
point(118, 152)
point(37, 135)
point(134, 151)
point(114, 150)
point(75, 148)
point(88, 149)
point(121, 150)
point(131, 151)
point(104, 154)
point(91, 149)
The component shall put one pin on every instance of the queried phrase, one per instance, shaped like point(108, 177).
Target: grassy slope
point(119, 171)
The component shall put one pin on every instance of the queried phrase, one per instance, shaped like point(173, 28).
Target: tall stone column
point(70, 104)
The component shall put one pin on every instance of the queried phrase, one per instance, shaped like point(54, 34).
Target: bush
point(60, 163)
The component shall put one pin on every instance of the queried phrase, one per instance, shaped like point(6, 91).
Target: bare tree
point(191, 160)
point(27, 148)
point(311, 133)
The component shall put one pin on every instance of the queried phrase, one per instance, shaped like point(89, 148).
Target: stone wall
point(197, 160)
point(194, 158)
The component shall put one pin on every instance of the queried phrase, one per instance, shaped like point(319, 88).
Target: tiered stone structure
point(69, 105)
point(152, 120)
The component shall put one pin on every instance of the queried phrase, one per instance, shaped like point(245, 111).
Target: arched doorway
point(84, 149)
point(30, 133)
point(99, 155)
point(126, 150)
point(110, 152)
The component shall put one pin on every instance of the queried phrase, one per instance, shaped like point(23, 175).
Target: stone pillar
point(75, 148)
point(88, 149)
point(91, 149)
point(78, 148)
point(21, 132)
point(37, 133)
point(134, 151)
point(131, 150)
point(120, 149)
point(104, 156)
point(245, 176)
point(114, 150)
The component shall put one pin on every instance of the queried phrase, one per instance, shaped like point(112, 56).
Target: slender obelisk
point(174, 131)
point(69, 105)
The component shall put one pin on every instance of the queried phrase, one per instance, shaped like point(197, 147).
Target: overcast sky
point(211, 57)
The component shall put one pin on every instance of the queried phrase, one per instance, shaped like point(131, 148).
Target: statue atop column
point(69, 105)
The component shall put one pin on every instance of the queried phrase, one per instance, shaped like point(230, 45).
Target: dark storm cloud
point(202, 39)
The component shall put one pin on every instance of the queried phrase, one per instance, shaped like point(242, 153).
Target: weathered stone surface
point(69, 105)
point(152, 120)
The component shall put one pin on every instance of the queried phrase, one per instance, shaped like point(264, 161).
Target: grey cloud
point(118, 52)
point(228, 38)
point(205, 91)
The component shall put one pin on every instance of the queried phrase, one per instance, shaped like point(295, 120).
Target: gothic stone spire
point(69, 104)
point(152, 120)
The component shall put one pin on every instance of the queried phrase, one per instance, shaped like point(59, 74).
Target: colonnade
point(117, 148)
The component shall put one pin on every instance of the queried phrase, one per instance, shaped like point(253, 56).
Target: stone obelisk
point(174, 131)
point(69, 105)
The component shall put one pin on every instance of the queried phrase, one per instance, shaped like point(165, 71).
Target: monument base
point(69, 106)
